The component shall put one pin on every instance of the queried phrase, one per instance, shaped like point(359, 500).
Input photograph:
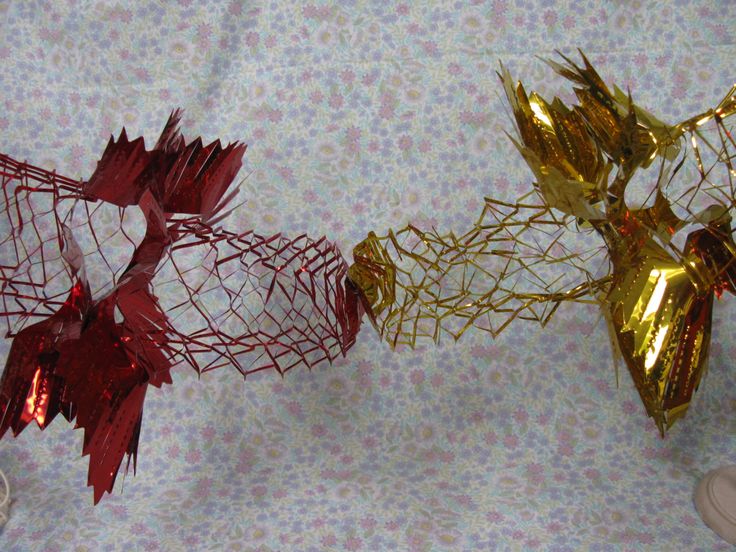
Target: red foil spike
point(30, 388)
point(120, 177)
point(190, 179)
point(682, 380)
point(107, 382)
point(83, 363)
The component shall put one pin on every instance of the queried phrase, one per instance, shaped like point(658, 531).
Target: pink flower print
point(477, 417)
point(565, 449)
point(405, 143)
point(275, 115)
point(293, 407)
point(287, 174)
point(352, 137)
point(353, 544)
point(193, 456)
point(454, 69)
point(204, 32)
point(549, 18)
point(430, 47)
point(416, 376)
point(369, 523)
point(313, 12)
point(347, 76)
point(535, 473)
point(521, 416)
point(142, 74)
point(369, 79)
point(235, 8)
point(494, 516)
point(319, 522)
point(336, 100)
point(204, 486)
point(386, 111)
point(251, 39)
point(689, 520)
point(437, 380)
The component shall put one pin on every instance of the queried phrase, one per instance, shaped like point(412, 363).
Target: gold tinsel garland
point(656, 296)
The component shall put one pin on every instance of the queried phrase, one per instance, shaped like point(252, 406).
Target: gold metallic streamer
point(657, 296)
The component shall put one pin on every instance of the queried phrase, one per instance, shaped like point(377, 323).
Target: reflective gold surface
point(657, 295)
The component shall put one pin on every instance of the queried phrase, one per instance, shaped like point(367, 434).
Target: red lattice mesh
point(91, 331)
point(258, 302)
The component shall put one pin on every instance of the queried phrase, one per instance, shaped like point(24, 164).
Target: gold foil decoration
point(422, 284)
point(656, 295)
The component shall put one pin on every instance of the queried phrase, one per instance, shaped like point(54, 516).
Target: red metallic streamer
point(242, 299)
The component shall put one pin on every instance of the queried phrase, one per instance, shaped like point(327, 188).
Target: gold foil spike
point(555, 142)
point(612, 118)
point(662, 324)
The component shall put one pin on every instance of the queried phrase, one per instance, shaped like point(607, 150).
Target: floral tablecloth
point(361, 116)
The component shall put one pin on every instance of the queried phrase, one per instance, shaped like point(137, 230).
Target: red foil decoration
point(245, 300)
point(258, 302)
